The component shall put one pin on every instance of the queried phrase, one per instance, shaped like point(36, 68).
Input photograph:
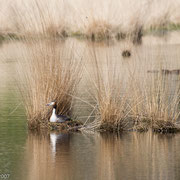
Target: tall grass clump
point(132, 98)
point(156, 100)
point(99, 30)
point(38, 19)
point(49, 73)
point(108, 90)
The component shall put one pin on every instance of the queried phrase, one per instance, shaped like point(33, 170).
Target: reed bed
point(100, 30)
point(49, 73)
point(36, 19)
point(132, 99)
point(63, 19)
point(112, 108)
point(125, 99)
point(159, 106)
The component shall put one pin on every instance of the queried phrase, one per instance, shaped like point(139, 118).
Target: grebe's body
point(57, 118)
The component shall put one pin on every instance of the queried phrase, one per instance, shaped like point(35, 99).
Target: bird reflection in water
point(59, 143)
point(48, 156)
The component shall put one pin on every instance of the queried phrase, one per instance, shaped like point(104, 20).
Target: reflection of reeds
point(119, 156)
point(49, 73)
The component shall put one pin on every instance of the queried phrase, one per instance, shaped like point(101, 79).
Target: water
point(28, 155)
point(92, 156)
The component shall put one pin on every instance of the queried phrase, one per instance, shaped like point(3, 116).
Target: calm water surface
point(39, 156)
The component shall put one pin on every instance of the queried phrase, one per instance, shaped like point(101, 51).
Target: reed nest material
point(68, 126)
point(122, 125)
point(160, 126)
point(165, 127)
point(142, 125)
point(72, 125)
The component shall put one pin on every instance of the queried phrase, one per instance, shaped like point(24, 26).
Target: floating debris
point(126, 53)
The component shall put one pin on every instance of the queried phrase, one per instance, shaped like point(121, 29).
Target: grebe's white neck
point(54, 111)
point(53, 117)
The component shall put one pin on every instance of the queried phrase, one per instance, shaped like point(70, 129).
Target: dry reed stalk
point(112, 109)
point(49, 73)
point(157, 102)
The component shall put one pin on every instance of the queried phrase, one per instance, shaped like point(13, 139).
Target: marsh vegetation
point(129, 90)
point(96, 21)
point(111, 67)
point(49, 72)
point(128, 98)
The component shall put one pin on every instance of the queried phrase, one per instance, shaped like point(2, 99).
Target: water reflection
point(48, 156)
point(102, 156)
point(59, 143)
point(139, 156)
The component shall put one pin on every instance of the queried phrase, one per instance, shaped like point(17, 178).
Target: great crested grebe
point(54, 117)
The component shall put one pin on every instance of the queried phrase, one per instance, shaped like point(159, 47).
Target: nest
point(65, 126)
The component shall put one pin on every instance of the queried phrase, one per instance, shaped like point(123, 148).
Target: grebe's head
point(53, 103)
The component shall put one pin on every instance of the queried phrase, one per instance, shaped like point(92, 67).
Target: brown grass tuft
point(49, 73)
point(133, 99)
point(112, 108)
point(56, 31)
point(156, 101)
point(99, 30)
